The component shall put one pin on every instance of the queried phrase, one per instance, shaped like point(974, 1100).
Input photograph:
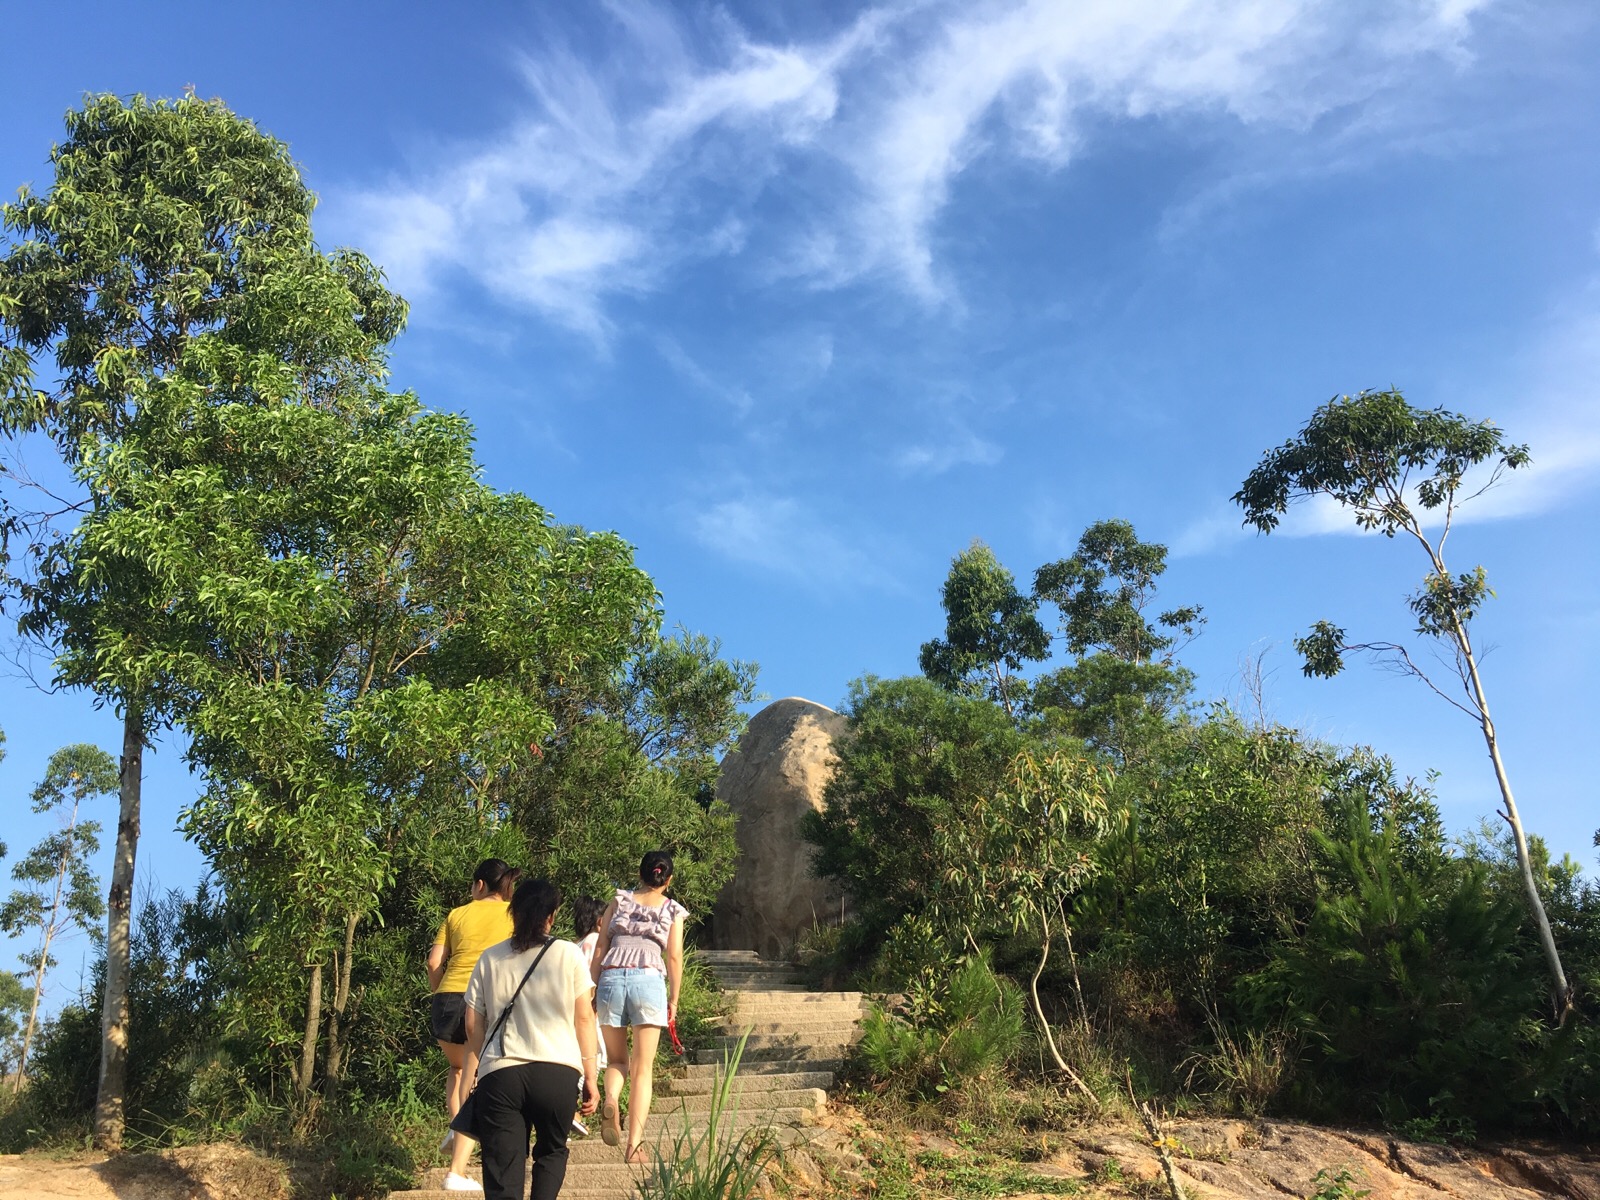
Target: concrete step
point(776, 1010)
point(699, 1085)
point(805, 999)
point(579, 1175)
point(753, 969)
point(765, 1049)
point(800, 1014)
point(712, 1066)
point(776, 984)
point(752, 1101)
point(724, 956)
point(823, 1030)
point(738, 991)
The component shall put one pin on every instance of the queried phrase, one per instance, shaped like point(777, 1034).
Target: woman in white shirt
point(527, 1075)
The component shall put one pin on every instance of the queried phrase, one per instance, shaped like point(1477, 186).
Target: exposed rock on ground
point(1231, 1160)
point(776, 774)
point(220, 1172)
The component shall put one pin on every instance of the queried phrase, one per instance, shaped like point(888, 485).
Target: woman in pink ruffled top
point(638, 969)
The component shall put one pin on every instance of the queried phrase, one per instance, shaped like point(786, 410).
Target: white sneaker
point(460, 1183)
point(579, 1128)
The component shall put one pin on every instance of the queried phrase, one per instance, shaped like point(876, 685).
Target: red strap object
point(672, 1032)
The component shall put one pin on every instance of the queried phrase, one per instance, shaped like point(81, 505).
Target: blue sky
point(802, 298)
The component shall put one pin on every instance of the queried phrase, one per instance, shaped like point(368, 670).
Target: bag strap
point(512, 1003)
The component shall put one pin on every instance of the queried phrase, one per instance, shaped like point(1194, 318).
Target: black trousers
point(537, 1098)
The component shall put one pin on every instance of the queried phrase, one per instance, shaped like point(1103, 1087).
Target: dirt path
point(192, 1173)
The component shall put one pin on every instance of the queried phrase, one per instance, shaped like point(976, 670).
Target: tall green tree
point(918, 758)
point(1405, 471)
point(170, 227)
point(363, 634)
point(1103, 590)
point(1125, 681)
point(990, 632)
point(59, 888)
point(634, 767)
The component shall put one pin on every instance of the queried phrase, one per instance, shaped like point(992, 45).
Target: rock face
point(774, 776)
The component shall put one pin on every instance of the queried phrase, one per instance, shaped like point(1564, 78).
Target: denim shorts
point(631, 996)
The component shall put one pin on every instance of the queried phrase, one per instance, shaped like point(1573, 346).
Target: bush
point(964, 1038)
point(1413, 995)
point(173, 1036)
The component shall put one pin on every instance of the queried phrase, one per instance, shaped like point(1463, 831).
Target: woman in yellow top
point(466, 933)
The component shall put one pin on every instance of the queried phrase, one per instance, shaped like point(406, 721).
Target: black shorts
point(447, 1017)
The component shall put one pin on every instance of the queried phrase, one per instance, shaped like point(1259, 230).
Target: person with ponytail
point(638, 970)
point(466, 933)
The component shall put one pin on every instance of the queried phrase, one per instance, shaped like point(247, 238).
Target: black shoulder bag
point(466, 1119)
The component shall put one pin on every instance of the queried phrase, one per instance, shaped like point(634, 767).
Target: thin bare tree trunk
point(1547, 938)
point(27, 1037)
point(1077, 983)
point(44, 955)
point(109, 1100)
point(341, 999)
point(1562, 991)
point(308, 1048)
point(1044, 1023)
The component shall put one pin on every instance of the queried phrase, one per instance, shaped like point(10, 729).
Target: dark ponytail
point(531, 907)
point(655, 868)
point(492, 874)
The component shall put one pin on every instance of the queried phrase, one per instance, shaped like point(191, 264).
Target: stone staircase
point(798, 1040)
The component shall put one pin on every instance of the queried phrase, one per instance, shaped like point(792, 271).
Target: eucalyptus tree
point(1103, 590)
point(171, 229)
point(1125, 680)
point(59, 889)
point(1405, 471)
point(991, 632)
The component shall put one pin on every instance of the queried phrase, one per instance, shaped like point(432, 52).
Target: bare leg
point(616, 1041)
point(461, 1148)
point(642, 1067)
point(455, 1087)
point(455, 1091)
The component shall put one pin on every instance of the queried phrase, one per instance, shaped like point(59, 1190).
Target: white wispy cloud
point(735, 397)
point(784, 536)
point(952, 447)
point(834, 159)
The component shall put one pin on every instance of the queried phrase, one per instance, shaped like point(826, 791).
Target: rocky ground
point(223, 1172)
point(1214, 1160)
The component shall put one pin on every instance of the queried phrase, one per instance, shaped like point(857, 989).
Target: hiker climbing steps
point(798, 1040)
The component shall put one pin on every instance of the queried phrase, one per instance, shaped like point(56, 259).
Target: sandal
point(610, 1125)
point(635, 1155)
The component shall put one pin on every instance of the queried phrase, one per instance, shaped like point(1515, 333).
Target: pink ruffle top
point(640, 933)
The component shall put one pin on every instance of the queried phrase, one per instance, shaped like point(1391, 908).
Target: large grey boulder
point(774, 775)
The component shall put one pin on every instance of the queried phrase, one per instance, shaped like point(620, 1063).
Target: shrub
point(963, 1038)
